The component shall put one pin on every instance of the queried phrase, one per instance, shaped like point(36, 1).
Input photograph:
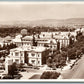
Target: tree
point(72, 53)
point(20, 65)
point(78, 53)
point(12, 70)
point(58, 45)
point(70, 41)
point(4, 46)
point(59, 60)
point(24, 32)
point(64, 49)
point(82, 49)
point(49, 61)
point(34, 41)
point(64, 54)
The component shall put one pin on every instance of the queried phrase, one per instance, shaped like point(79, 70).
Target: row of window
point(17, 61)
point(33, 54)
point(36, 40)
point(17, 54)
point(33, 61)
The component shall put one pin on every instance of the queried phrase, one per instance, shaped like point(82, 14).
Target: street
point(31, 73)
point(77, 72)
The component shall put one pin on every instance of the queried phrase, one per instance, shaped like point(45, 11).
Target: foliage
point(73, 51)
point(6, 30)
point(12, 70)
point(49, 75)
point(49, 62)
point(58, 45)
point(82, 50)
point(78, 53)
point(58, 59)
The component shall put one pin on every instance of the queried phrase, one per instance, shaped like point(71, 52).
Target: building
point(5, 41)
point(28, 54)
point(17, 40)
point(48, 39)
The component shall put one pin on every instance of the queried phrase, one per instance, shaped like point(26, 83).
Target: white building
point(27, 54)
point(46, 38)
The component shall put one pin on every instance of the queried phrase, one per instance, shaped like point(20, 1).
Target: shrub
point(50, 75)
point(55, 75)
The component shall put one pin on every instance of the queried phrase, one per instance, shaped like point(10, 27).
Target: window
point(38, 55)
point(50, 46)
point(33, 61)
point(33, 54)
point(12, 54)
point(27, 54)
point(16, 54)
point(43, 35)
point(21, 54)
point(21, 61)
point(38, 62)
point(17, 61)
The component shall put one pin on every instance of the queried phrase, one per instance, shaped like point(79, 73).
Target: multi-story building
point(29, 55)
point(45, 39)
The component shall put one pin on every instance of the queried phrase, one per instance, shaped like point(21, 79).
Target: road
point(77, 72)
point(31, 74)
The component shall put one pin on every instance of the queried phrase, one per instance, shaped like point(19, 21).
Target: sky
point(16, 11)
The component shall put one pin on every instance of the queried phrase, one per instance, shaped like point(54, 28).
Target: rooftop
point(28, 37)
point(29, 48)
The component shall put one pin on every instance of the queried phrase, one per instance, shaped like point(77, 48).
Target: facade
point(48, 39)
point(6, 40)
point(29, 55)
point(17, 55)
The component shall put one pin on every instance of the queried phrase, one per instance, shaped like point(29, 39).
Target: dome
point(24, 31)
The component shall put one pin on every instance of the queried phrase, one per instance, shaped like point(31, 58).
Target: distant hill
point(45, 22)
point(54, 22)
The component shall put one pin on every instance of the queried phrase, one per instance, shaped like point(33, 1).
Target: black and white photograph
point(41, 40)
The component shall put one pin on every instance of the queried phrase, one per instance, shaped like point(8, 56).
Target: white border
point(43, 80)
point(40, 2)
